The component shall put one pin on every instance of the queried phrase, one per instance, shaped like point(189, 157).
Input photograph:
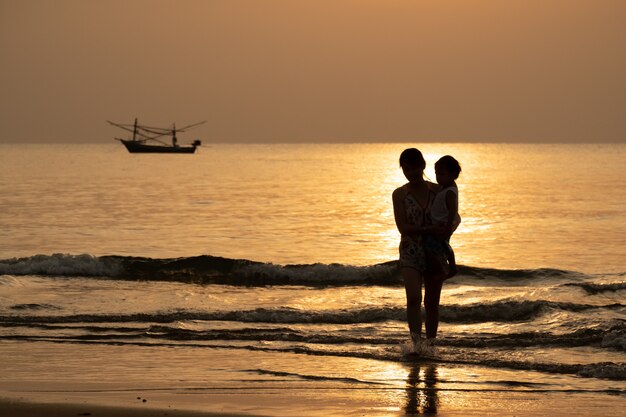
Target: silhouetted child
point(444, 212)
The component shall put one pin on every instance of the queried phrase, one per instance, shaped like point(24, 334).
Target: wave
point(313, 377)
point(62, 265)
point(200, 269)
point(499, 311)
point(605, 370)
point(34, 306)
point(616, 339)
point(612, 337)
point(593, 289)
point(518, 274)
point(208, 269)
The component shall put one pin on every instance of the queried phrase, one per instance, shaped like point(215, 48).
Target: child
point(445, 212)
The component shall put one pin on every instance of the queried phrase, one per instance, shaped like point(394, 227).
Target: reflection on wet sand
point(421, 398)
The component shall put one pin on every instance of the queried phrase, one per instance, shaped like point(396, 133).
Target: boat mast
point(135, 130)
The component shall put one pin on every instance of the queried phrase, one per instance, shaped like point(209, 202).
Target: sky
point(315, 71)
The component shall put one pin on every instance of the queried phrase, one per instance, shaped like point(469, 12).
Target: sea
point(271, 268)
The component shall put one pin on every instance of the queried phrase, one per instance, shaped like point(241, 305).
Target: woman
point(411, 206)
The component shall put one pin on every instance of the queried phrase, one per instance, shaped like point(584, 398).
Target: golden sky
point(315, 70)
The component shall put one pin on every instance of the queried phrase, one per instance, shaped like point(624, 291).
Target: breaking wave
point(208, 269)
point(593, 289)
point(499, 311)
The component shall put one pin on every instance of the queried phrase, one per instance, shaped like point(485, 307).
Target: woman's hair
point(412, 157)
point(449, 164)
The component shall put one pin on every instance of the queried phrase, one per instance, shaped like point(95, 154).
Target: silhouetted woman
point(411, 206)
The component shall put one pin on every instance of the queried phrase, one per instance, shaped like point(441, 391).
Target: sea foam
point(62, 265)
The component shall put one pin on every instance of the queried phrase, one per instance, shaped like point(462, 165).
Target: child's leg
point(453, 270)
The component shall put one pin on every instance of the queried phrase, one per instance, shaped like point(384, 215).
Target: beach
point(262, 280)
point(499, 404)
point(76, 388)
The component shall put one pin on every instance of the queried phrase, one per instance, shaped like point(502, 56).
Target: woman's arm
point(399, 214)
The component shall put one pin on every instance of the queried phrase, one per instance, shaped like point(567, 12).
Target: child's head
point(447, 169)
point(412, 163)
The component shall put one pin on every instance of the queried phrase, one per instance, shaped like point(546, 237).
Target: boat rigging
point(147, 139)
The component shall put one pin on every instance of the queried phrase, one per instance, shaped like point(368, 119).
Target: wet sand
point(63, 380)
point(12, 408)
point(492, 404)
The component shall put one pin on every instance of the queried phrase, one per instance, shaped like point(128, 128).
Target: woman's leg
point(432, 294)
point(413, 286)
point(437, 266)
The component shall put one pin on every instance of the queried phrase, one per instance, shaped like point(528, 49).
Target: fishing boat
point(147, 139)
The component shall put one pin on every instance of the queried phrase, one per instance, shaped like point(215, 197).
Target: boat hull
point(138, 147)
